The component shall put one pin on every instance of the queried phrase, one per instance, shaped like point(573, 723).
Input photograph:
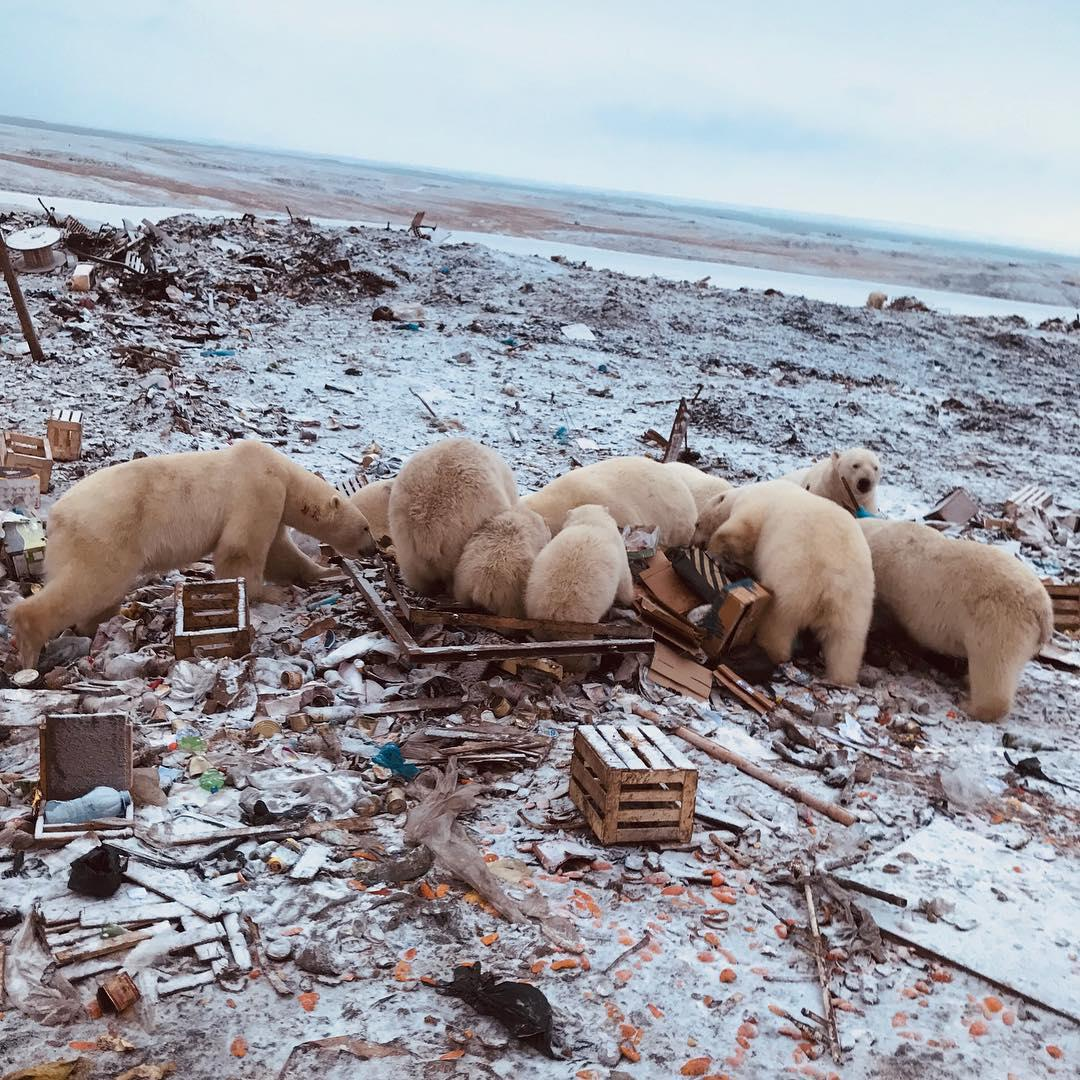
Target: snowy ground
point(990, 404)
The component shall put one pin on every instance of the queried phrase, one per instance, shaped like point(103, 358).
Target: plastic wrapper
point(50, 1003)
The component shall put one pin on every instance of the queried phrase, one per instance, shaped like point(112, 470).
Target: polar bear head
point(860, 470)
point(713, 514)
point(345, 528)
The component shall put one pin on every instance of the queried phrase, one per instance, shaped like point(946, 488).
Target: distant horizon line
point(883, 227)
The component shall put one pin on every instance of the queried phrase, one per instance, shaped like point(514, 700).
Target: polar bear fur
point(812, 557)
point(161, 513)
point(495, 565)
point(582, 572)
point(442, 495)
point(373, 501)
point(858, 468)
point(635, 491)
point(963, 599)
point(703, 486)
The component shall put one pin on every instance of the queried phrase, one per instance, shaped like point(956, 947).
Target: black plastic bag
point(98, 873)
point(519, 1007)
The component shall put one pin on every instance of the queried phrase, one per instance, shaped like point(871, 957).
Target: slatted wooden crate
point(1031, 497)
point(212, 617)
point(64, 429)
point(1066, 603)
point(19, 451)
point(632, 784)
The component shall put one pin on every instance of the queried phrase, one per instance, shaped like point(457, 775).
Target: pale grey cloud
point(957, 116)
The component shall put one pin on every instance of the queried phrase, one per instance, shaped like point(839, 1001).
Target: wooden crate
point(632, 784)
point(1031, 497)
point(1066, 603)
point(212, 616)
point(64, 429)
point(19, 451)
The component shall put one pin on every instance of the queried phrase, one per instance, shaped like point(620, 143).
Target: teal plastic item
point(218, 352)
point(389, 757)
point(863, 512)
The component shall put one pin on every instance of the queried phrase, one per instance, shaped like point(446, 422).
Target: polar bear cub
point(442, 495)
point(703, 486)
point(849, 478)
point(496, 562)
point(582, 572)
point(161, 513)
point(964, 599)
point(812, 557)
point(373, 501)
point(635, 491)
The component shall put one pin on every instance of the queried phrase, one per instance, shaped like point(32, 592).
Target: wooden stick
point(629, 952)
point(869, 890)
point(730, 852)
point(785, 787)
point(823, 978)
point(269, 832)
point(21, 309)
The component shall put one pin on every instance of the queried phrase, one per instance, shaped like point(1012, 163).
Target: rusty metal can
point(118, 993)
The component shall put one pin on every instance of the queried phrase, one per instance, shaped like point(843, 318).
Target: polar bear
point(812, 557)
point(495, 564)
point(964, 599)
point(703, 486)
point(162, 512)
point(635, 491)
point(582, 572)
point(373, 501)
point(442, 495)
point(850, 478)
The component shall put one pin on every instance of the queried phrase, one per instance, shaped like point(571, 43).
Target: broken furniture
point(417, 225)
point(569, 638)
point(19, 451)
point(632, 784)
point(212, 619)
point(1065, 599)
point(64, 431)
point(79, 752)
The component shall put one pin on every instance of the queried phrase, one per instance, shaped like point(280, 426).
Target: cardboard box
point(667, 587)
point(19, 451)
point(738, 618)
point(680, 674)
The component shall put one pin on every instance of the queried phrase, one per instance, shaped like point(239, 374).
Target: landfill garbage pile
point(318, 856)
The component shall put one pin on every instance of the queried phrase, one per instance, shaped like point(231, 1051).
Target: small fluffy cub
point(962, 598)
point(442, 495)
point(843, 477)
point(495, 564)
point(582, 572)
point(811, 556)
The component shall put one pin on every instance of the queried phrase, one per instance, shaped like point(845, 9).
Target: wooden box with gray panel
point(632, 784)
point(64, 429)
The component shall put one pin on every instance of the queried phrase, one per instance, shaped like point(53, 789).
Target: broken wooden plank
point(131, 914)
point(270, 832)
point(99, 946)
point(174, 885)
point(238, 945)
point(165, 987)
point(310, 863)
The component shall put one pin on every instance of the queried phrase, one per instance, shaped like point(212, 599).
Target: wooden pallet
point(64, 429)
point(19, 451)
point(632, 784)
point(1066, 602)
point(212, 617)
point(1031, 497)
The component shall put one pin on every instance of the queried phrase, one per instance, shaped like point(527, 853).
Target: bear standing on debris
point(849, 479)
point(495, 564)
point(703, 486)
point(373, 501)
point(811, 556)
point(582, 572)
point(966, 599)
point(635, 491)
point(161, 513)
point(442, 495)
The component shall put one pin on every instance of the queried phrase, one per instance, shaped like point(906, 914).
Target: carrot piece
point(489, 939)
point(441, 890)
point(562, 965)
point(238, 1048)
point(452, 1055)
point(629, 1052)
point(994, 1004)
point(696, 1066)
point(426, 891)
point(977, 1028)
point(728, 976)
point(657, 1012)
point(1055, 1052)
point(538, 967)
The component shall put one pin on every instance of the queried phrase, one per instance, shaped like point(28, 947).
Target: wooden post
point(20, 304)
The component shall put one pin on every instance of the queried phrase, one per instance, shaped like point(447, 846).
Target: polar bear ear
point(335, 502)
point(835, 456)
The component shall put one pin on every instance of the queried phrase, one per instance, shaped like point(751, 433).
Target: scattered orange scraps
point(696, 1066)
point(489, 939)
point(727, 976)
point(452, 1055)
point(308, 1000)
point(238, 1047)
point(1055, 1052)
point(656, 1011)
point(994, 1004)
point(562, 965)
point(977, 1028)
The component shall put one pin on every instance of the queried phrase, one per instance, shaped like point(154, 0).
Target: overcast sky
point(953, 115)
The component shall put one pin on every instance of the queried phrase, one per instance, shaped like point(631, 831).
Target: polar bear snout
point(864, 485)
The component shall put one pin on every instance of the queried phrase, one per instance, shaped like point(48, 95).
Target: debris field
point(341, 861)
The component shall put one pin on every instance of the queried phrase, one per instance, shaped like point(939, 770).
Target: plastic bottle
point(102, 802)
